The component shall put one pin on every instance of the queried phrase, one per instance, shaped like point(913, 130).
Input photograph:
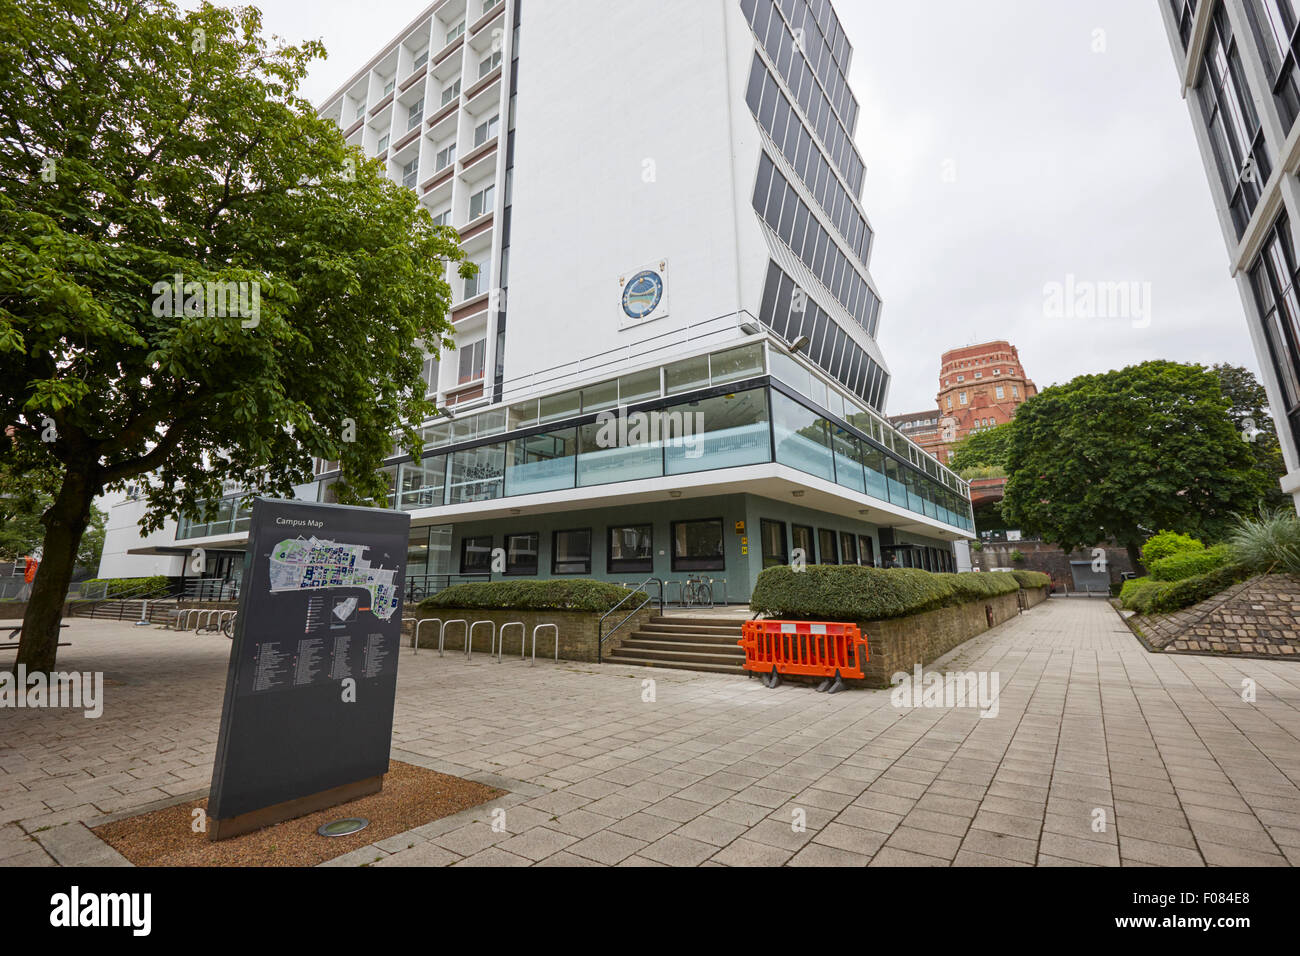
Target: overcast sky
point(1004, 152)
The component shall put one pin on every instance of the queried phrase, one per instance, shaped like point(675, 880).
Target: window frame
point(555, 551)
point(675, 562)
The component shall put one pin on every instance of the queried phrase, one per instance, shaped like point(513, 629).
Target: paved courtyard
point(1100, 754)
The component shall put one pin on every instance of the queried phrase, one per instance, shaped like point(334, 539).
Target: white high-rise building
point(668, 363)
point(1238, 70)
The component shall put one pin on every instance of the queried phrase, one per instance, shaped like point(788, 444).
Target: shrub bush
point(1176, 595)
point(116, 586)
point(1149, 596)
point(1186, 564)
point(1029, 580)
point(1137, 593)
point(854, 593)
point(1017, 557)
point(579, 594)
point(1167, 543)
point(1270, 542)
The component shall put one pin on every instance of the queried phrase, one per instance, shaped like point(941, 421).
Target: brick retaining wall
point(902, 643)
point(577, 630)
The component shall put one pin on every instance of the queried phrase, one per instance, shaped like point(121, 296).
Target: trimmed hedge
point(1134, 594)
point(1149, 596)
point(1188, 564)
point(856, 593)
point(1029, 580)
point(1167, 543)
point(118, 586)
point(579, 594)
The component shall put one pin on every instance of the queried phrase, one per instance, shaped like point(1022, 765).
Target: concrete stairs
point(679, 641)
point(160, 611)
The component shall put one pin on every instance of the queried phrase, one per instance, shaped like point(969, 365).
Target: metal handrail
point(139, 593)
point(600, 625)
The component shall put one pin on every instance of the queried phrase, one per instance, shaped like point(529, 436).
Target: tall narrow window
point(1236, 137)
point(774, 547)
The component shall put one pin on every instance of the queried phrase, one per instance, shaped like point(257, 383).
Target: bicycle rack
point(415, 638)
point(667, 585)
point(221, 618)
point(556, 627)
point(469, 641)
point(501, 638)
point(443, 632)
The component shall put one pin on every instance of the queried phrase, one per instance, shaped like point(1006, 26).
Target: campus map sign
point(308, 713)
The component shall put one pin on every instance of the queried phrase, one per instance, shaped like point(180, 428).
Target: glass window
point(804, 541)
point(476, 474)
point(521, 553)
point(563, 405)
point(476, 554)
point(720, 432)
point(620, 449)
point(480, 203)
point(638, 386)
point(486, 130)
point(735, 364)
point(802, 438)
point(571, 552)
point(597, 398)
point(522, 415)
point(686, 375)
point(827, 546)
point(541, 462)
point(848, 464)
point(866, 550)
point(422, 484)
point(774, 548)
point(849, 547)
point(698, 546)
point(631, 550)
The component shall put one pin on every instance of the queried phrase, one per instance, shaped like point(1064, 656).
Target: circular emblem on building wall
point(642, 294)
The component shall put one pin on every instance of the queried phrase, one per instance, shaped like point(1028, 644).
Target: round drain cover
point(338, 828)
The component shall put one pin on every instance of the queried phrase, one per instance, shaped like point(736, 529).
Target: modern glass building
point(668, 363)
point(1237, 65)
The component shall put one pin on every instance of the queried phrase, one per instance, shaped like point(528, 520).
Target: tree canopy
point(1117, 456)
point(986, 448)
point(199, 281)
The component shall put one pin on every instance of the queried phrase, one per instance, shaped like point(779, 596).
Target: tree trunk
point(1134, 556)
point(65, 521)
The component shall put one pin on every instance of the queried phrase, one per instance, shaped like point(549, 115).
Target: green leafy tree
point(986, 448)
point(1250, 413)
point(1117, 455)
point(91, 547)
point(146, 147)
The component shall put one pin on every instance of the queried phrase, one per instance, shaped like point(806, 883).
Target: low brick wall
point(17, 610)
point(1032, 597)
point(577, 630)
point(902, 643)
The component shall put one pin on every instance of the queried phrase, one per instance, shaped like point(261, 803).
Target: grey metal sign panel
point(313, 666)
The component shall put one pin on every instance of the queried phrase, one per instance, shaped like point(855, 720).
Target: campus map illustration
point(310, 564)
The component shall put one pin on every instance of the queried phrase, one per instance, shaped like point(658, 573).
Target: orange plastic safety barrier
point(808, 648)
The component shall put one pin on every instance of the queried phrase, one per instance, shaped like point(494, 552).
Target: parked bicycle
point(697, 591)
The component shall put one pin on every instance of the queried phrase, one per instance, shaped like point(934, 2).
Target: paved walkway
point(1100, 754)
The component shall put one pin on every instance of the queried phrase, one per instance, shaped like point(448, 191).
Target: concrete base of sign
point(290, 809)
